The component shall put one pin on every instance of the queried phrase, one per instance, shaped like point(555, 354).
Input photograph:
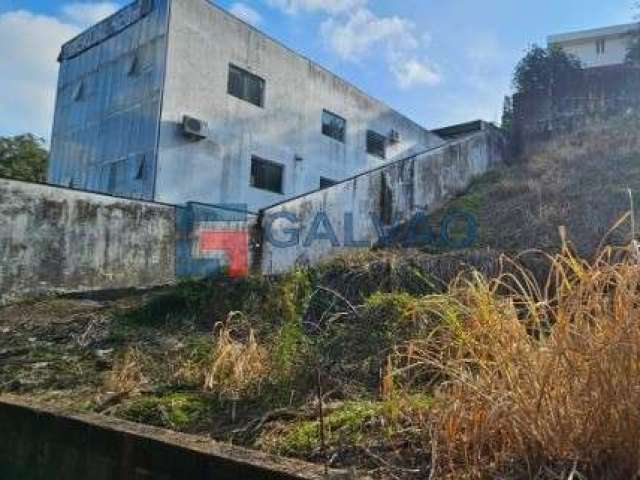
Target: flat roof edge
point(622, 29)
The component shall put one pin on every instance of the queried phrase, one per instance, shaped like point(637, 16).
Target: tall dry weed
point(539, 379)
point(238, 364)
point(128, 374)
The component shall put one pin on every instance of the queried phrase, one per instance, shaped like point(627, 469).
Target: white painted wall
point(203, 40)
point(586, 50)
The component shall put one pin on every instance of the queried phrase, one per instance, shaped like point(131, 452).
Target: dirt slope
point(580, 181)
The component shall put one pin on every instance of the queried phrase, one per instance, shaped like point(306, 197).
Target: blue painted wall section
point(197, 224)
point(109, 97)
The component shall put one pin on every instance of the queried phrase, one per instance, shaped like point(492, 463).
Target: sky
point(439, 62)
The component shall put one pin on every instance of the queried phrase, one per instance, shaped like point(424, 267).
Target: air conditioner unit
point(194, 128)
point(394, 137)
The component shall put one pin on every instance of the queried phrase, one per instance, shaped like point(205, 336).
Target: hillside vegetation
point(580, 181)
point(401, 363)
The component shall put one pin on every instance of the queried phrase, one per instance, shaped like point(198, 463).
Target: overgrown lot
point(458, 365)
point(246, 361)
point(495, 375)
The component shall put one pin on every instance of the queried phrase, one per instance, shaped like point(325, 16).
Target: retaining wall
point(213, 240)
point(60, 240)
point(42, 443)
point(56, 239)
point(352, 213)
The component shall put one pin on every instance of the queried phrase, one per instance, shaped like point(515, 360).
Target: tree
point(633, 51)
point(23, 157)
point(507, 113)
point(542, 68)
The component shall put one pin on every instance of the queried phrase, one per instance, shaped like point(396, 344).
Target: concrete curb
point(41, 442)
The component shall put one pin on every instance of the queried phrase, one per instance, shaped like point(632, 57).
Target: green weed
point(178, 411)
point(354, 424)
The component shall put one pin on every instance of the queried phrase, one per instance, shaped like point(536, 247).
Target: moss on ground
point(352, 425)
point(186, 412)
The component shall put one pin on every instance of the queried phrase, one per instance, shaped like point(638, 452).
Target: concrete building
point(598, 47)
point(178, 101)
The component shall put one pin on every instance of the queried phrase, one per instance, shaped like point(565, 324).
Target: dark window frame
point(242, 89)
point(326, 182)
point(329, 131)
point(253, 176)
point(374, 141)
point(140, 167)
point(601, 46)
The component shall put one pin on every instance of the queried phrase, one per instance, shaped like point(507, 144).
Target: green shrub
point(198, 302)
point(354, 348)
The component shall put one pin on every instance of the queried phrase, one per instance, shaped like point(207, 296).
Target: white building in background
point(598, 47)
point(178, 101)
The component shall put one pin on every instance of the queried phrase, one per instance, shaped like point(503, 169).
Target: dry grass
point(128, 375)
point(579, 180)
point(540, 381)
point(237, 365)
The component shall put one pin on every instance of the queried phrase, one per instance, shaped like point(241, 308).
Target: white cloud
point(412, 72)
point(333, 7)
point(29, 47)
point(356, 34)
point(359, 33)
point(86, 14)
point(353, 32)
point(246, 13)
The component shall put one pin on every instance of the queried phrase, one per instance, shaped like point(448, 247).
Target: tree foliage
point(633, 51)
point(507, 113)
point(23, 157)
point(542, 68)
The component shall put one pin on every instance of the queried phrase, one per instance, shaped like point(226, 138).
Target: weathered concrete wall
point(357, 209)
point(62, 240)
point(43, 443)
point(203, 41)
point(56, 240)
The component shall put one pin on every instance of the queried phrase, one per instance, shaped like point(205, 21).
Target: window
point(376, 144)
point(78, 92)
point(601, 46)
point(266, 175)
point(133, 66)
point(140, 166)
point(326, 183)
point(246, 86)
point(333, 126)
point(112, 181)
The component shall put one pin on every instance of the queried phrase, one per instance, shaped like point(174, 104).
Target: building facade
point(599, 47)
point(178, 101)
